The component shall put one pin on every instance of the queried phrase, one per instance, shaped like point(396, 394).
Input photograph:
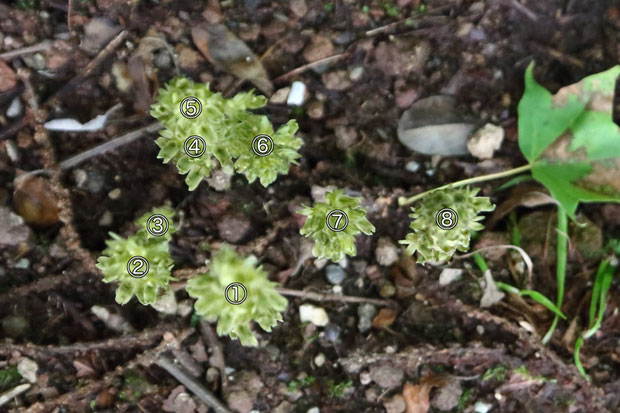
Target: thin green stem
point(561, 267)
point(402, 201)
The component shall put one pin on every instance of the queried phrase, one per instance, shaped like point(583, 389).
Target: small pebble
point(412, 166)
point(23, 264)
point(313, 410)
point(319, 360)
point(15, 108)
point(115, 193)
point(106, 219)
point(365, 312)
point(28, 369)
point(365, 378)
point(332, 333)
point(335, 274)
point(280, 96)
point(356, 73)
point(386, 252)
point(482, 407)
point(316, 315)
point(297, 96)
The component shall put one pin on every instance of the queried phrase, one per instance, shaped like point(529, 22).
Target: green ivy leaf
point(571, 140)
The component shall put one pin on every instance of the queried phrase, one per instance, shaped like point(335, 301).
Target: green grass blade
point(561, 267)
point(534, 295)
point(544, 301)
point(482, 264)
point(577, 359)
point(602, 283)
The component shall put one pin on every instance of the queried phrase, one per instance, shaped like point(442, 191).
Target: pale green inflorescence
point(435, 244)
point(263, 304)
point(228, 130)
point(330, 244)
point(114, 259)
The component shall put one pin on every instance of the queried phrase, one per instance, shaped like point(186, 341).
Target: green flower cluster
point(429, 239)
point(261, 302)
point(334, 236)
point(115, 261)
point(228, 131)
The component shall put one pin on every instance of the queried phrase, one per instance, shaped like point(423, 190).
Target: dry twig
point(202, 393)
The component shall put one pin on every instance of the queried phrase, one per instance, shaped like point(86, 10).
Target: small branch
point(334, 297)
point(103, 54)
point(112, 144)
point(402, 201)
point(305, 67)
point(14, 392)
point(143, 339)
point(146, 358)
point(203, 394)
point(69, 15)
point(39, 47)
point(387, 27)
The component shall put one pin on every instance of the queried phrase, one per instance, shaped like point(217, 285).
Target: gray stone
point(13, 231)
point(233, 228)
point(386, 376)
point(432, 126)
point(365, 313)
point(386, 252)
point(335, 274)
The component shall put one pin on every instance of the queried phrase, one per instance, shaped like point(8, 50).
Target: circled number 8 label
point(137, 267)
point(191, 107)
point(262, 145)
point(234, 295)
point(337, 220)
point(446, 218)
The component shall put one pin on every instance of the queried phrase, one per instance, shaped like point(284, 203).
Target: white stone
point(313, 410)
point(319, 360)
point(15, 108)
point(448, 275)
point(297, 96)
point(316, 315)
point(482, 407)
point(28, 369)
point(485, 141)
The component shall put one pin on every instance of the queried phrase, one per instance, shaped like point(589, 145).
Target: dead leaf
point(385, 318)
point(142, 98)
point(417, 397)
point(83, 368)
point(492, 294)
point(8, 80)
point(529, 196)
point(226, 51)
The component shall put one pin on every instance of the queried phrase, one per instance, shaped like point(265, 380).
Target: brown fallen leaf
point(8, 80)
point(417, 397)
point(385, 318)
point(529, 196)
point(226, 51)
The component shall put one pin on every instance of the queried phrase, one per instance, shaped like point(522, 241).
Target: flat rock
point(432, 126)
point(13, 231)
